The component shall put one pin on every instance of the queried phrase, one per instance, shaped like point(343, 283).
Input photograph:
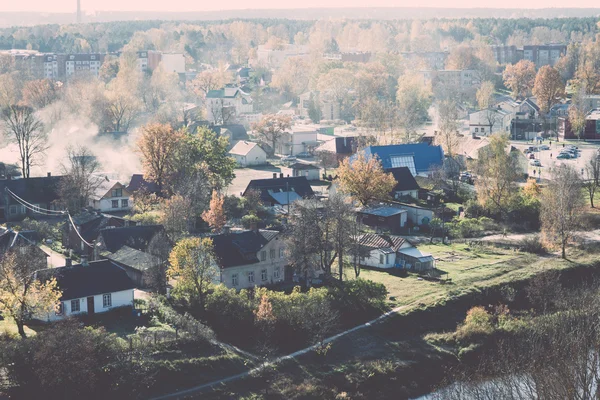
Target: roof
point(284, 198)
point(267, 187)
point(104, 187)
point(243, 147)
point(469, 146)
point(133, 258)
point(78, 281)
point(375, 241)
point(382, 211)
point(137, 237)
point(90, 224)
point(240, 248)
point(236, 131)
point(10, 239)
point(404, 179)
point(531, 103)
point(425, 156)
point(40, 190)
point(416, 253)
point(303, 166)
point(138, 182)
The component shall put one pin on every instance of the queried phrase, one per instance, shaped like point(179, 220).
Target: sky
point(199, 5)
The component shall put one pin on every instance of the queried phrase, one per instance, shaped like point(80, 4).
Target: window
point(234, 279)
point(476, 130)
point(263, 275)
point(59, 309)
point(276, 273)
point(272, 254)
point(482, 130)
point(117, 193)
point(281, 253)
point(251, 276)
point(75, 306)
point(263, 255)
point(381, 259)
point(106, 300)
point(124, 203)
point(13, 209)
point(115, 204)
point(404, 161)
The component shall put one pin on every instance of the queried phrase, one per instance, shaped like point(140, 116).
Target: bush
point(147, 218)
point(358, 300)
point(470, 227)
point(250, 220)
point(533, 245)
point(477, 322)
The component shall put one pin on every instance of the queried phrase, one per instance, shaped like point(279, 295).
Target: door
point(90, 305)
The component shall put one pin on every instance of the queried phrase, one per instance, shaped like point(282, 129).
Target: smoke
point(117, 155)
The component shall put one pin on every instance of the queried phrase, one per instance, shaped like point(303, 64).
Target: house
point(491, 120)
point(541, 55)
point(280, 191)
point(138, 264)
point(384, 218)
point(11, 240)
point(341, 147)
point(418, 157)
point(138, 182)
point(233, 132)
point(248, 153)
point(310, 171)
point(250, 258)
point(416, 215)
point(224, 105)
point(406, 185)
point(89, 225)
point(110, 195)
point(591, 130)
point(389, 251)
point(464, 80)
point(329, 108)
point(137, 237)
point(298, 139)
point(42, 192)
point(89, 287)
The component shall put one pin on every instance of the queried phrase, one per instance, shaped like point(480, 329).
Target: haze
point(187, 5)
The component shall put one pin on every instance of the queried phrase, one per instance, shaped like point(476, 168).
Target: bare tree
point(562, 205)
point(448, 126)
point(592, 177)
point(272, 128)
point(24, 129)
point(80, 179)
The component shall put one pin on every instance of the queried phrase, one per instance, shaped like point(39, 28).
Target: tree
point(22, 296)
point(271, 128)
point(562, 206)
point(578, 113)
point(344, 232)
point(485, 94)
point(206, 81)
point(292, 78)
point(193, 265)
point(25, 130)
point(158, 145)
point(434, 226)
point(215, 215)
point(448, 126)
point(413, 101)
point(177, 216)
point(160, 247)
point(497, 173)
point(80, 179)
point(364, 179)
point(39, 93)
point(327, 159)
point(592, 177)
point(314, 108)
point(520, 78)
point(549, 88)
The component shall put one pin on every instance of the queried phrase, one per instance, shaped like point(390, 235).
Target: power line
point(33, 206)
point(36, 209)
point(77, 232)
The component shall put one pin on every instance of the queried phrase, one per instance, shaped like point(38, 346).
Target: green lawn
point(467, 268)
point(8, 326)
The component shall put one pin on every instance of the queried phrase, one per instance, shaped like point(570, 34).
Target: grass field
point(8, 326)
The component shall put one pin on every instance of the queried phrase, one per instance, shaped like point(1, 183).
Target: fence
point(146, 338)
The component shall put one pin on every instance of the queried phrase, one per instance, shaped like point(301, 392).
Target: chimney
point(49, 174)
point(68, 262)
point(84, 260)
point(274, 175)
point(281, 174)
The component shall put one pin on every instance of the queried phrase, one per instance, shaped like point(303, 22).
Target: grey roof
point(382, 211)
point(243, 147)
point(303, 166)
point(137, 237)
point(375, 241)
point(240, 248)
point(133, 258)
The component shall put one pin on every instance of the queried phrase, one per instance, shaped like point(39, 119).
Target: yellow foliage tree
point(215, 215)
point(364, 179)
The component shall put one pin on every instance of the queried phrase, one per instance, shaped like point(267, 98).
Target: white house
point(310, 171)
point(93, 287)
point(248, 153)
point(250, 258)
point(296, 140)
point(223, 106)
point(390, 251)
point(491, 120)
point(110, 196)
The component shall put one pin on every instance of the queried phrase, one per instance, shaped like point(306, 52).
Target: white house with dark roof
point(224, 105)
point(390, 251)
point(248, 153)
point(93, 287)
point(310, 171)
point(109, 196)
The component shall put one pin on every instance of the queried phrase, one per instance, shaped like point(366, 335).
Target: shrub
point(477, 322)
point(250, 220)
point(533, 245)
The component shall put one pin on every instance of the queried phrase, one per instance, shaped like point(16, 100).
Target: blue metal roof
point(424, 154)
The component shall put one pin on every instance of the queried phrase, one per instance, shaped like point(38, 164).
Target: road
point(54, 259)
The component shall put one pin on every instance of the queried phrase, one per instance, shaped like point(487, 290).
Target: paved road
point(54, 259)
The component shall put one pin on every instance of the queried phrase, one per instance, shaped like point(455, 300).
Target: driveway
point(54, 259)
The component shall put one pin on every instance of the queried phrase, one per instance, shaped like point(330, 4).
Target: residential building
point(492, 120)
point(330, 109)
point(42, 192)
point(173, 62)
point(280, 190)
point(275, 57)
point(384, 218)
point(140, 266)
point(110, 195)
point(406, 184)
point(418, 157)
point(250, 258)
point(83, 64)
point(309, 171)
point(11, 240)
point(248, 153)
point(143, 60)
point(505, 54)
point(138, 182)
point(136, 237)
point(416, 215)
point(89, 287)
point(357, 56)
point(298, 139)
point(389, 251)
point(590, 132)
point(542, 55)
point(592, 101)
point(464, 80)
point(223, 106)
point(433, 60)
point(233, 132)
point(340, 147)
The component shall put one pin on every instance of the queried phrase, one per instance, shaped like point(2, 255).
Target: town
point(295, 208)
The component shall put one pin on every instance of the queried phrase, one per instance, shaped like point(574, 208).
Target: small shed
point(384, 218)
point(414, 259)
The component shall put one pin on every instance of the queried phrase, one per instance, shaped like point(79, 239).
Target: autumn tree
point(520, 78)
point(497, 174)
point(194, 268)
point(577, 113)
point(292, 78)
point(158, 145)
point(215, 215)
point(327, 159)
point(39, 93)
point(271, 129)
point(485, 95)
point(364, 179)
point(206, 81)
point(80, 178)
point(562, 207)
point(548, 88)
point(413, 101)
point(24, 129)
point(177, 216)
point(22, 296)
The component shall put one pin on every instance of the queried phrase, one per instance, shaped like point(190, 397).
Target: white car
point(535, 163)
point(544, 147)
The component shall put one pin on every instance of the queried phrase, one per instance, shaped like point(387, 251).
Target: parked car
point(532, 156)
point(563, 156)
point(304, 154)
point(535, 163)
point(544, 147)
point(288, 159)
